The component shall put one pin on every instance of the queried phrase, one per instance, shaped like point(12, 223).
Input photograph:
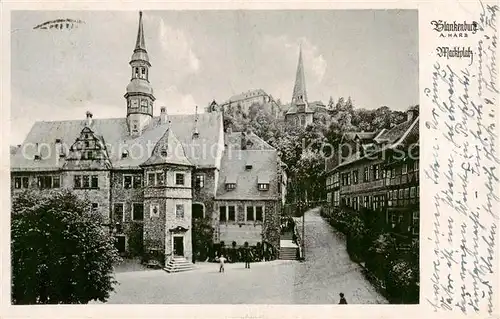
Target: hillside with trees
point(303, 150)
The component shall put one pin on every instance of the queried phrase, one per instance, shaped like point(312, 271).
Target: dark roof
point(253, 142)
point(351, 136)
point(114, 132)
point(264, 166)
point(392, 138)
point(168, 150)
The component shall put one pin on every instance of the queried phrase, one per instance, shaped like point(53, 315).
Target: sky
point(199, 56)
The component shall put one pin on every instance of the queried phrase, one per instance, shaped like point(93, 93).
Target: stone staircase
point(288, 253)
point(178, 264)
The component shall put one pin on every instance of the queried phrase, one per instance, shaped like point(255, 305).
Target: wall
point(101, 195)
point(241, 230)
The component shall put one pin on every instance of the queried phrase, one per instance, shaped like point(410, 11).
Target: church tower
point(139, 94)
point(299, 96)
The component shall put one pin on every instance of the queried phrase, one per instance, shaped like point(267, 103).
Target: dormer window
point(230, 186)
point(248, 166)
point(263, 183)
point(125, 154)
point(263, 186)
point(37, 157)
point(58, 140)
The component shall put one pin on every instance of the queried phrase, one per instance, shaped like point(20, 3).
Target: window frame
point(263, 186)
point(151, 209)
point(180, 174)
point(199, 180)
point(125, 176)
point(182, 210)
point(92, 179)
point(132, 212)
point(229, 213)
point(114, 211)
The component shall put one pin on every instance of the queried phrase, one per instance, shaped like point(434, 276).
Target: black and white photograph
point(215, 157)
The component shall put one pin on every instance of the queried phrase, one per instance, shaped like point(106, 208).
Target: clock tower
point(139, 94)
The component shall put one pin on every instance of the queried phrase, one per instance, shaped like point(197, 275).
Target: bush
point(401, 282)
point(61, 253)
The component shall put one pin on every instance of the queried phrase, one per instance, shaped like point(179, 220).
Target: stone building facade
point(149, 176)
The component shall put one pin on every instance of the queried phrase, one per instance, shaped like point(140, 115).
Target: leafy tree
point(61, 253)
point(202, 237)
point(331, 103)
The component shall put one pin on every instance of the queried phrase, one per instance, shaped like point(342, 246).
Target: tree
point(331, 103)
point(61, 253)
point(202, 237)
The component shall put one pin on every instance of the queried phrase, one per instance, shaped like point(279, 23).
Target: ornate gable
point(88, 152)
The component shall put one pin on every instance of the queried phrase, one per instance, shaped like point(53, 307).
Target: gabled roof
point(253, 141)
point(114, 132)
point(264, 166)
point(392, 138)
point(168, 150)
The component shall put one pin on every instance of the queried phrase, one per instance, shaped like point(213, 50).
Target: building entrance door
point(178, 245)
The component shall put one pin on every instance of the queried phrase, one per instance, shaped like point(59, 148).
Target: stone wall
point(242, 230)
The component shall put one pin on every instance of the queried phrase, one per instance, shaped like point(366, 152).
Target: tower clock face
point(134, 103)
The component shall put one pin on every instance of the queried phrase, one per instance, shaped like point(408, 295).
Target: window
point(404, 169)
point(250, 215)
point(349, 178)
point(95, 206)
point(137, 181)
point(263, 187)
point(336, 198)
point(86, 181)
point(415, 223)
point(156, 179)
point(355, 203)
point(95, 181)
point(78, 181)
point(118, 215)
point(231, 210)
point(365, 202)
point(355, 176)
point(366, 176)
point(179, 211)
point(335, 179)
point(154, 210)
point(17, 182)
point(56, 182)
point(393, 173)
point(259, 213)
point(45, 182)
point(302, 120)
point(415, 166)
point(401, 195)
point(26, 181)
point(222, 213)
point(127, 181)
point(199, 181)
point(230, 186)
point(412, 192)
point(376, 172)
point(137, 211)
point(418, 191)
point(407, 193)
point(179, 178)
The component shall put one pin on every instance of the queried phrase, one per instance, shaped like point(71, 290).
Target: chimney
point(195, 131)
point(243, 141)
point(89, 119)
point(163, 115)
point(411, 115)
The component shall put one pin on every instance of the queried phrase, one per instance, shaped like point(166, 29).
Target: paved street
point(326, 272)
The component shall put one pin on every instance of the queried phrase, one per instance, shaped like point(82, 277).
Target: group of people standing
point(247, 257)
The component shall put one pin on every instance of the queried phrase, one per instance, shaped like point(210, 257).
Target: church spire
point(299, 96)
point(140, 43)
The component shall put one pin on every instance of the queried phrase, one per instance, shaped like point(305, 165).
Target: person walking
point(342, 299)
point(247, 255)
point(222, 259)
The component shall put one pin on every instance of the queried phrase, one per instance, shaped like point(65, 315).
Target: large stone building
point(379, 172)
point(148, 176)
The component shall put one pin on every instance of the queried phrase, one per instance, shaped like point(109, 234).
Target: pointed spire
point(299, 90)
point(140, 44)
point(195, 132)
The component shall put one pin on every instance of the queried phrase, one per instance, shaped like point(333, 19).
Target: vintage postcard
point(250, 160)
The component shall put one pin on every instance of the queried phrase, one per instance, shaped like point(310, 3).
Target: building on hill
point(246, 99)
point(150, 176)
point(300, 111)
point(380, 174)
